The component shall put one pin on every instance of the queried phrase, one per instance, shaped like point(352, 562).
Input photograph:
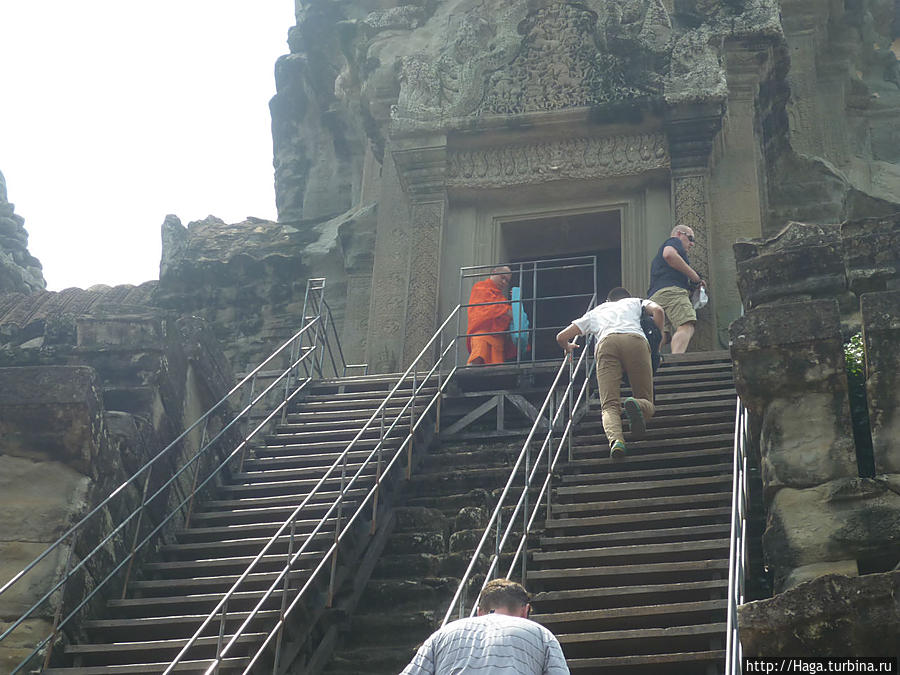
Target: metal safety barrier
point(532, 275)
point(561, 408)
point(415, 407)
point(306, 350)
point(740, 508)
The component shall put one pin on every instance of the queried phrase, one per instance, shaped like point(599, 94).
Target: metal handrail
point(299, 355)
point(737, 563)
point(383, 468)
point(533, 268)
point(565, 406)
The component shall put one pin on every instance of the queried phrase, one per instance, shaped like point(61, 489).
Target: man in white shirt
point(621, 345)
point(501, 640)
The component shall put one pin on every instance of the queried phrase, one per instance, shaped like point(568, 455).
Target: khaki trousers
point(615, 353)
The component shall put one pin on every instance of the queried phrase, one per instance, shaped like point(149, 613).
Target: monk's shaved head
point(501, 269)
point(501, 276)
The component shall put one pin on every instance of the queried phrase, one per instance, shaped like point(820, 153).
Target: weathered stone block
point(38, 499)
point(14, 557)
point(800, 262)
point(19, 644)
point(881, 332)
point(790, 372)
point(51, 413)
point(847, 519)
point(829, 616)
point(871, 249)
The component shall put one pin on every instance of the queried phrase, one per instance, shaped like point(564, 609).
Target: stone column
point(690, 131)
point(422, 165)
point(881, 331)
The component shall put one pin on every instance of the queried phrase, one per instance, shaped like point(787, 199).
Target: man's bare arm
point(673, 257)
point(659, 316)
point(566, 338)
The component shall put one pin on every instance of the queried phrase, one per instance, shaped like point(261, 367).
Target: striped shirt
point(493, 644)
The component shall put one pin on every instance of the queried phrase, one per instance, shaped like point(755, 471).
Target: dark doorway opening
point(556, 291)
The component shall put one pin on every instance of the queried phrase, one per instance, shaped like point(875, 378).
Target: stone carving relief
point(423, 277)
point(690, 210)
point(507, 59)
point(577, 158)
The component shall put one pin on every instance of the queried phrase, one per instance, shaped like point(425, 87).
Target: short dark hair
point(618, 293)
point(502, 593)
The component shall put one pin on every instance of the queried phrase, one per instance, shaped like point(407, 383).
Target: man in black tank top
point(671, 281)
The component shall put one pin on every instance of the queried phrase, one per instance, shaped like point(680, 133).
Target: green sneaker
point(635, 417)
point(617, 451)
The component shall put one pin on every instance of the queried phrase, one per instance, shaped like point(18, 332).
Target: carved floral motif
point(556, 160)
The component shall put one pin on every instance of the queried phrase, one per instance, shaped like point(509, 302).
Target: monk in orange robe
point(490, 319)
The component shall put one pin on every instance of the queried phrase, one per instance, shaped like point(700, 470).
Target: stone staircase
point(632, 571)
point(170, 595)
point(448, 502)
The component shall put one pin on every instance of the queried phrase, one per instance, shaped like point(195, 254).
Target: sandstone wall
point(248, 279)
point(806, 291)
point(20, 272)
point(92, 385)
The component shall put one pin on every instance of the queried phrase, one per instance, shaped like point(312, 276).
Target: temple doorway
point(560, 262)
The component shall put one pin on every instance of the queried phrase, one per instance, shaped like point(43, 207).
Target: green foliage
point(855, 356)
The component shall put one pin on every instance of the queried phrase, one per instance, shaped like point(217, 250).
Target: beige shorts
point(676, 303)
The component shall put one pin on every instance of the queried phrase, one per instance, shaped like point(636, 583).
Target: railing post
point(249, 421)
point(284, 594)
point(137, 531)
point(571, 419)
point(203, 438)
point(221, 637)
point(337, 534)
point(525, 507)
point(412, 421)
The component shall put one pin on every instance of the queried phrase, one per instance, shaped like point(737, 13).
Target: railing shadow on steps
point(564, 409)
point(171, 500)
point(413, 413)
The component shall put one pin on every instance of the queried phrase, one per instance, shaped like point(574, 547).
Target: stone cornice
point(422, 166)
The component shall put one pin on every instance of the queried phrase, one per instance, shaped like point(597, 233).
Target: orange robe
point(489, 319)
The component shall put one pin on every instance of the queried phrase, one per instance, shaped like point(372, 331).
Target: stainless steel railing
point(563, 407)
point(737, 564)
point(306, 350)
point(425, 370)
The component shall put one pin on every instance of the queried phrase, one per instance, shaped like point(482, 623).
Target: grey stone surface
point(829, 616)
point(248, 279)
point(91, 388)
point(20, 272)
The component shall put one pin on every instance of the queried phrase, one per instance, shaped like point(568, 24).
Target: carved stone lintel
point(574, 158)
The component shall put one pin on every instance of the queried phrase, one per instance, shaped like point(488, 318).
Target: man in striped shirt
point(501, 640)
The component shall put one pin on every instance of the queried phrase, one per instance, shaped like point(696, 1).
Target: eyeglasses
point(690, 237)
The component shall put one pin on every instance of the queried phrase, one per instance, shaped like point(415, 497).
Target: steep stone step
point(624, 490)
point(654, 519)
point(636, 537)
point(230, 665)
point(643, 616)
point(547, 602)
point(649, 573)
point(167, 625)
point(644, 553)
point(640, 504)
point(158, 650)
point(642, 641)
point(685, 471)
point(681, 663)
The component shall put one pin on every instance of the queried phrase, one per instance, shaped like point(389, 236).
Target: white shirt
point(621, 316)
point(493, 644)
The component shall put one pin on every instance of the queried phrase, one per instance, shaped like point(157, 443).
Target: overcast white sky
point(114, 113)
